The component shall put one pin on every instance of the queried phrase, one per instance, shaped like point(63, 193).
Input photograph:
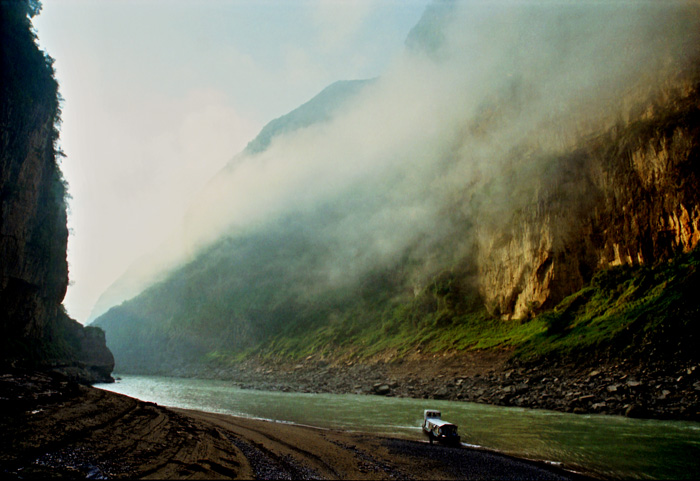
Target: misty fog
point(419, 154)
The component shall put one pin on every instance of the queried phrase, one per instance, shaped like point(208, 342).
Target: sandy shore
point(53, 428)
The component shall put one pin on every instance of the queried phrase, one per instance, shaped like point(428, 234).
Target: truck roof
point(437, 422)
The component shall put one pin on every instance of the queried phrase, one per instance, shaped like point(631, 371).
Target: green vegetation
point(620, 313)
point(625, 312)
point(276, 313)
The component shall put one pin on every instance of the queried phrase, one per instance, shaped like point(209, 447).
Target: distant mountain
point(463, 201)
point(428, 35)
point(319, 109)
point(156, 266)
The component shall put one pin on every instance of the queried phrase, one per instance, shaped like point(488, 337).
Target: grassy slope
point(623, 312)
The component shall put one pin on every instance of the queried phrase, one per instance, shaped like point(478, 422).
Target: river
point(611, 446)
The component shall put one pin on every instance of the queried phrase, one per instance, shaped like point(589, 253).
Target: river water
point(611, 446)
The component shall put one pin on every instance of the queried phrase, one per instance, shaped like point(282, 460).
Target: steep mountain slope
point(474, 187)
point(274, 266)
point(35, 329)
point(155, 267)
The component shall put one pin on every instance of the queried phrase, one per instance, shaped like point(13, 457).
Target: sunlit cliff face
point(505, 86)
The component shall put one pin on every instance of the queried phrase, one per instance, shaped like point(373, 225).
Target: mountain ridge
point(321, 108)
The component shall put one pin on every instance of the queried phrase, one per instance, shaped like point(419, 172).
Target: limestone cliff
point(33, 232)
point(627, 194)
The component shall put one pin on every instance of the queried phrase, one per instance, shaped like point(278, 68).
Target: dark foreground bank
point(55, 428)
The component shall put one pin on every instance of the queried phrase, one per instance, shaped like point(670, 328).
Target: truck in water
point(438, 430)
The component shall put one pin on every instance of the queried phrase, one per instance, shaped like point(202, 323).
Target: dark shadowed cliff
point(34, 328)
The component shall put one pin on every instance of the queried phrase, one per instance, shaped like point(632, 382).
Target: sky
point(160, 94)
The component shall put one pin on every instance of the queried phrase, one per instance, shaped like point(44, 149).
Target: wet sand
point(52, 428)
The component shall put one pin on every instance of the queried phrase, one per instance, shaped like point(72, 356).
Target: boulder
point(381, 389)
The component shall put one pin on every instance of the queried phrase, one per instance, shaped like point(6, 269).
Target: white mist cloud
point(509, 76)
point(155, 165)
point(160, 94)
point(513, 83)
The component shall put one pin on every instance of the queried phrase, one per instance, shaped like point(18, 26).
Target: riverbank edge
point(575, 471)
point(668, 389)
point(54, 427)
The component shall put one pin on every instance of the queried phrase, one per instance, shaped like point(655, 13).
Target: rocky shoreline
point(661, 391)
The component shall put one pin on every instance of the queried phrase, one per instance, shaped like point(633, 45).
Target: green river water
point(610, 446)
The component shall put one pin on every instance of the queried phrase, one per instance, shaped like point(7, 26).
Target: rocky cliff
point(33, 234)
point(624, 195)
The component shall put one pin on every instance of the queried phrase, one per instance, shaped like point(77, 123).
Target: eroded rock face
point(627, 195)
point(33, 233)
point(88, 360)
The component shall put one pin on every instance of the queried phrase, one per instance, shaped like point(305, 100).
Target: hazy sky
point(160, 94)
